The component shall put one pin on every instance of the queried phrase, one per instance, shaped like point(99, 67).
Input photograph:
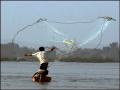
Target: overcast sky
point(16, 14)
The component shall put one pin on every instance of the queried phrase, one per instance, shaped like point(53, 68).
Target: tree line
point(10, 51)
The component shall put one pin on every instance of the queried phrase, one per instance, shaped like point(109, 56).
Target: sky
point(17, 14)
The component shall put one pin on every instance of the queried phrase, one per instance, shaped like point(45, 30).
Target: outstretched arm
point(29, 54)
point(52, 48)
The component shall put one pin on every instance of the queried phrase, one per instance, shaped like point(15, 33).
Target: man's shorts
point(44, 66)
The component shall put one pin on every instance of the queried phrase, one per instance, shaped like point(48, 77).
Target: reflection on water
point(17, 75)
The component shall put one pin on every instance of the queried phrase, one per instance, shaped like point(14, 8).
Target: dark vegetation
point(12, 52)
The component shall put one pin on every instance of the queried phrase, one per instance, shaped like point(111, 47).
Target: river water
point(65, 75)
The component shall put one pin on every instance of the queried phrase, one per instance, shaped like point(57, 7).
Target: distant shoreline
point(106, 54)
point(65, 60)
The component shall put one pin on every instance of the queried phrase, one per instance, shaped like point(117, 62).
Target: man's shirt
point(42, 56)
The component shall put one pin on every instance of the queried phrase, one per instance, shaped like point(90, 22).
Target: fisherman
point(43, 60)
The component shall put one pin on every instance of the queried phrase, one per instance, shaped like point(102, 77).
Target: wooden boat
point(41, 79)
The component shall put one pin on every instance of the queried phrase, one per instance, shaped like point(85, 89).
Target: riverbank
point(87, 59)
point(67, 59)
point(106, 54)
